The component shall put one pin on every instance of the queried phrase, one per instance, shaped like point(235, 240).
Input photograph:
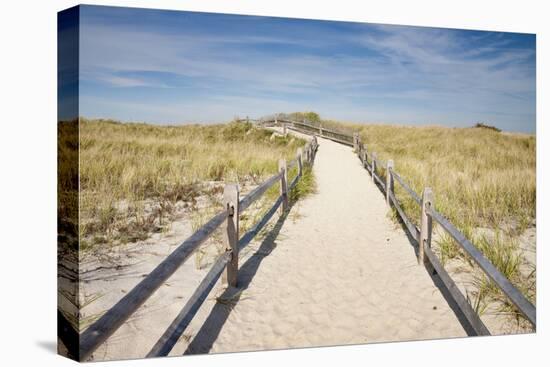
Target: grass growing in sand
point(133, 177)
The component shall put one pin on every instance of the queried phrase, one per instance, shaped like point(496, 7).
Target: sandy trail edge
point(340, 273)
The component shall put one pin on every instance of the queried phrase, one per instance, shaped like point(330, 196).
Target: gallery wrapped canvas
point(232, 183)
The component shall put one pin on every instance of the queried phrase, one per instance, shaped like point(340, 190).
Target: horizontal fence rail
point(114, 318)
point(379, 180)
point(513, 294)
point(258, 192)
point(413, 230)
point(407, 188)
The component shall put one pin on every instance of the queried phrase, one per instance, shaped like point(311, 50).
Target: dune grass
point(134, 176)
point(480, 177)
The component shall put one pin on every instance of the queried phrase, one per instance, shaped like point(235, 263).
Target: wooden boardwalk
point(337, 270)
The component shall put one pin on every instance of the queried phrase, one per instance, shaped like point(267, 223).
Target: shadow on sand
point(209, 331)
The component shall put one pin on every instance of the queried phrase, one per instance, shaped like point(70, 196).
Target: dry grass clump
point(134, 176)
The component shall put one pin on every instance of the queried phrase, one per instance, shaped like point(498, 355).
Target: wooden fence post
point(315, 146)
point(299, 154)
point(284, 188)
point(365, 157)
point(320, 130)
point(373, 166)
point(231, 200)
point(425, 236)
point(284, 129)
point(389, 181)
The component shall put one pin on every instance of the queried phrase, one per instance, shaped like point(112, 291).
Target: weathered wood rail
point(305, 127)
point(116, 316)
point(422, 236)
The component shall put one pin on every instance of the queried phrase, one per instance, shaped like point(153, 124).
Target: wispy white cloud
point(364, 74)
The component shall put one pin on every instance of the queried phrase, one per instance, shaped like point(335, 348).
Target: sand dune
point(335, 270)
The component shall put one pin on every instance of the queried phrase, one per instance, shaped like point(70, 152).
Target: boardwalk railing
point(423, 235)
point(115, 317)
point(308, 128)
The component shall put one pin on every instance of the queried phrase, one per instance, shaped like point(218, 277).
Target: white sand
point(336, 271)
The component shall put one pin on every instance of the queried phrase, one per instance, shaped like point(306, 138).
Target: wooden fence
point(423, 235)
point(103, 328)
point(308, 128)
point(115, 317)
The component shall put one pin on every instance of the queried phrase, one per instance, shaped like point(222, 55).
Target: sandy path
point(335, 271)
point(340, 273)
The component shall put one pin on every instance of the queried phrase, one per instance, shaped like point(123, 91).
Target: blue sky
point(178, 67)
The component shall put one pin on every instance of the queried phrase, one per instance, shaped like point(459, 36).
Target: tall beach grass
point(134, 175)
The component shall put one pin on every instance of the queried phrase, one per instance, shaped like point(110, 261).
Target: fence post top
point(231, 197)
point(299, 151)
point(427, 195)
point(231, 187)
